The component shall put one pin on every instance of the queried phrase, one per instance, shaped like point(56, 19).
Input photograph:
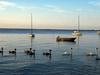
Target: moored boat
point(71, 39)
point(31, 33)
point(77, 32)
point(98, 32)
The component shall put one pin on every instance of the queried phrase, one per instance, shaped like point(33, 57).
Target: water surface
point(56, 64)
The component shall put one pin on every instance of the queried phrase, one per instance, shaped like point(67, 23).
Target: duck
point(13, 52)
point(47, 53)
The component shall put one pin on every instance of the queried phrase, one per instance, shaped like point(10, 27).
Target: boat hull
point(70, 39)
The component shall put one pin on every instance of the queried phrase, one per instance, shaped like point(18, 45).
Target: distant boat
point(70, 39)
point(77, 32)
point(98, 32)
point(31, 33)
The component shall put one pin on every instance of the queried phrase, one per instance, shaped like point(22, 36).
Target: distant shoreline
point(47, 29)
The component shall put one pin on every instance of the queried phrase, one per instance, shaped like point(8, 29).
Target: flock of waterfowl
point(49, 53)
point(58, 39)
point(88, 54)
point(28, 52)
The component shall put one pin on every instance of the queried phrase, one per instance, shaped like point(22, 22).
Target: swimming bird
point(97, 58)
point(91, 54)
point(47, 53)
point(28, 51)
point(13, 52)
point(66, 53)
point(32, 52)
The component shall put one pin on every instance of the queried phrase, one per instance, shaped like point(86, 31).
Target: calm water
point(22, 64)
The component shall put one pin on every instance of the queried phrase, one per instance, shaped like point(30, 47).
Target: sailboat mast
point(31, 42)
point(31, 23)
point(78, 23)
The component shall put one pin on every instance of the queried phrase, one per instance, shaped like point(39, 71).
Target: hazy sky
point(59, 14)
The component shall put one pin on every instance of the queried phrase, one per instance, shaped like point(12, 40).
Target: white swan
point(91, 54)
point(66, 53)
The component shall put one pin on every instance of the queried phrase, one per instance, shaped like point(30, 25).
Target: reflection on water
point(54, 64)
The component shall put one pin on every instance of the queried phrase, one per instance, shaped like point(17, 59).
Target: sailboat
point(31, 32)
point(77, 33)
point(98, 32)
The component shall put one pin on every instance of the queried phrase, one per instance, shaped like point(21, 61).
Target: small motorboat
point(70, 39)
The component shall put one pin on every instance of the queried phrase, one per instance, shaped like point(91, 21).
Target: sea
point(56, 64)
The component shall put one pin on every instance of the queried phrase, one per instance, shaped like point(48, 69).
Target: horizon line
point(45, 29)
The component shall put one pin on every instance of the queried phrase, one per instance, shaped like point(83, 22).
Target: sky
point(50, 14)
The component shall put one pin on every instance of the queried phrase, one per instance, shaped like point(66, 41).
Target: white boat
point(98, 32)
point(31, 32)
point(77, 32)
